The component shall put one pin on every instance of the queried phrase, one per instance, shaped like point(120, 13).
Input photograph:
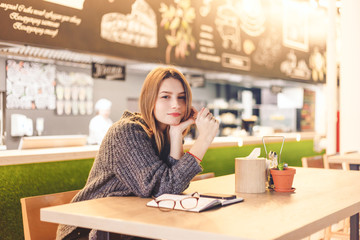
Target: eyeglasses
point(189, 202)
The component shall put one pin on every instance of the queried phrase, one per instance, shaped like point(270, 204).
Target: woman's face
point(170, 105)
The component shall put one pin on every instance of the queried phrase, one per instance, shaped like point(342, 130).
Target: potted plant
point(281, 176)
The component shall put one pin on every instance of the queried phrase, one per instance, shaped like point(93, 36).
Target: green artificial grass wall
point(18, 181)
point(221, 161)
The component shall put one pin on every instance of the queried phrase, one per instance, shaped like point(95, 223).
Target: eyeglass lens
point(186, 203)
point(189, 203)
point(166, 204)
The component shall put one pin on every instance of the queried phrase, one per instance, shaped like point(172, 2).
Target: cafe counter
point(13, 157)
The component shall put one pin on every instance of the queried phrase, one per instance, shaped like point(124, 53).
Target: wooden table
point(322, 197)
point(351, 159)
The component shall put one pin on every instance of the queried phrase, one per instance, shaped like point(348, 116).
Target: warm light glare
point(240, 142)
point(325, 3)
point(251, 6)
point(77, 4)
point(314, 3)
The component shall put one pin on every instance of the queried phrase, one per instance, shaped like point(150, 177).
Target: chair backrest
point(319, 161)
point(313, 162)
point(334, 165)
point(34, 228)
point(203, 176)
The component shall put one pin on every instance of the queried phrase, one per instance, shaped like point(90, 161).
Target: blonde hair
point(149, 94)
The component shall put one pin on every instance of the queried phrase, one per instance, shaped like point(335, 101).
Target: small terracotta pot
point(283, 179)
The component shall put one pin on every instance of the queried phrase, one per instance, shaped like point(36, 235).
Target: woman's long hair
point(148, 97)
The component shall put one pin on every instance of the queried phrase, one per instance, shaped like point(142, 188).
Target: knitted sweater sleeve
point(135, 163)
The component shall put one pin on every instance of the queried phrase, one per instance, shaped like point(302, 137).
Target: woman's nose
point(175, 103)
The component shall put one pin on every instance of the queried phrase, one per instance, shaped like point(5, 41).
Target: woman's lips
point(175, 114)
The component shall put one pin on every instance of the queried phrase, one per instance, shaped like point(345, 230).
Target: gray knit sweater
point(128, 164)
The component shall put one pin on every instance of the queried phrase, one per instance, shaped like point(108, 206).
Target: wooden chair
point(320, 161)
point(334, 165)
point(345, 166)
point(313, 162)
point(34, 228)
point(203, 176)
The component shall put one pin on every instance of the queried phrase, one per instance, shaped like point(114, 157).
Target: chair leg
point(345, 166)
point(346, 225)
point(343, 233)
point(327, 234)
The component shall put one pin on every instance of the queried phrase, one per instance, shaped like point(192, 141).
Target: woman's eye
point(165, 97)
point(182, 97)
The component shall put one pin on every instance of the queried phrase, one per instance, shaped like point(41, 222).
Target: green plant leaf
point(281, 166)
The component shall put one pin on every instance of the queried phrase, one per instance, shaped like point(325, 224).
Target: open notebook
point(204, 203)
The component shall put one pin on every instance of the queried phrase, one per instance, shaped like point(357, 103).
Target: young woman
point(142, 153)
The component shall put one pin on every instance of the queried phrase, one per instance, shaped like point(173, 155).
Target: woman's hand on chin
point(177, 130)
point(176, 137)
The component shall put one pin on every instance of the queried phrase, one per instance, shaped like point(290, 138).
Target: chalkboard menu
point(277, 38)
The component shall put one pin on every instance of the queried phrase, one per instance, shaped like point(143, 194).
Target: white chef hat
point(103, 104)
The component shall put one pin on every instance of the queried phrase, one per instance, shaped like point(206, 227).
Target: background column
point(331, 80)
point(350, 76)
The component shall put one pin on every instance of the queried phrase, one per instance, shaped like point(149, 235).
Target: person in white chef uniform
point(101, 122)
